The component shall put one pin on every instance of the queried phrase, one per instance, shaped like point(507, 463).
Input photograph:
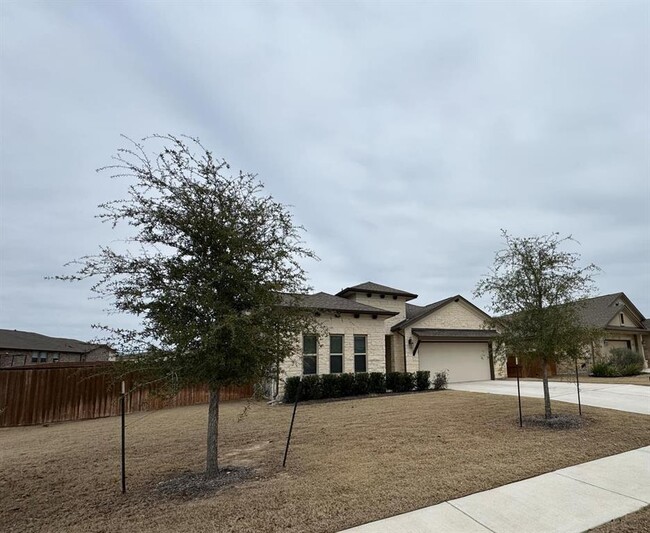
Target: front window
point(309, 354)
point(34, 357)
point(336, 354)
point(360, 353)
point(43, 357)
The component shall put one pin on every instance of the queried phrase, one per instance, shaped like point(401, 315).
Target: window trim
point(335, 354)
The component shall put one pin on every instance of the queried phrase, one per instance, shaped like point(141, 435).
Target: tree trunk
point(212, 463)
point(547, 394)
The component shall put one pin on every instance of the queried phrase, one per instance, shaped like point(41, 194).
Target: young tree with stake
point(536, 288)
point(203, 270)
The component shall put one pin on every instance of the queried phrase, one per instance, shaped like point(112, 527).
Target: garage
point(464, 361)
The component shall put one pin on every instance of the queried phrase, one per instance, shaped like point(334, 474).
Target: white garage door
point(464, 361)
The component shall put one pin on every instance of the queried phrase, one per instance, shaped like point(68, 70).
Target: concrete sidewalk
point(572, 499)
point(630, 398)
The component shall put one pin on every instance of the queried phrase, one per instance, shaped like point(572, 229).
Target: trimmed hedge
point(377, 383)
point(391, 381)
point(315, 387)
point(422, 381)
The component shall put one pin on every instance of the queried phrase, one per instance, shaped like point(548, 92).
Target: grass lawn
point(350, 462)
point(641, 379)
point(631, 523)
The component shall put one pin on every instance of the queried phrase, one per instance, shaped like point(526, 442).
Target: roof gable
point(601, 310)
point(415, 313)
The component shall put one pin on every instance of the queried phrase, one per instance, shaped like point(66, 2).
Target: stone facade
point(454, 315)
point(396, 304)
point(347, 325)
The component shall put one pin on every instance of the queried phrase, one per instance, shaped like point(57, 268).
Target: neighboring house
point(20, 348)
point(373, 328)
point(623, 324)
point(645, 342)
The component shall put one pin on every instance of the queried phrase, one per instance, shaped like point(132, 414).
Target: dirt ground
point(350, 462)
point(641, 379)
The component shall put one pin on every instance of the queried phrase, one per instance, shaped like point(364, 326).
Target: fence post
point(578, 388)
point(123, 417)
point(293, 416)
point(521, 421)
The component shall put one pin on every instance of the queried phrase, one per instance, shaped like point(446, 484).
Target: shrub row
point(621, 362)
point(339, 385)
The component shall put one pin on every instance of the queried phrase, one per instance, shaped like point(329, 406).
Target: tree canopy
point(204, 270)
point(536, 288)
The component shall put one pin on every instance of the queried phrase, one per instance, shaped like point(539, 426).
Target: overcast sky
point(403, 135)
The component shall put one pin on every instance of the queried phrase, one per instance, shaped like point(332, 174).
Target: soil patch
point(565, 421)
point(195, 485)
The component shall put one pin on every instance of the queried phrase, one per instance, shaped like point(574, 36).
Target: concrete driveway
point(630, 398)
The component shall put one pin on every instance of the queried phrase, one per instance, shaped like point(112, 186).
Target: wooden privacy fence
point(76, 391)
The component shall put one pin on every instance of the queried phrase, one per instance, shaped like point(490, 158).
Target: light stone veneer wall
point(397, 305)
point(348, 326)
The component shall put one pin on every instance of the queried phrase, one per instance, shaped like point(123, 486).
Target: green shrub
point(603, 370)
point(311, 388)
point(346, 384)
point(422, 381)
point(440, 380)
point(361, 384)
point(377, 383)
point(290, 389)
point(630, 370)
point(392, 379)
point(405, 382)
point(330, 386)
point(626, 362)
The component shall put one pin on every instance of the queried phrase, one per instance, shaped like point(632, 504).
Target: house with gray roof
point(623, 325)
point(374, 328)
point(24, 348)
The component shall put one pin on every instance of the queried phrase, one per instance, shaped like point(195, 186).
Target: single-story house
point(623, 324)
point(22, 348)
point(374, 328)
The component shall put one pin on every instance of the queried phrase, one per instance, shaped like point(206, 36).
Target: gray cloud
point(405, 137)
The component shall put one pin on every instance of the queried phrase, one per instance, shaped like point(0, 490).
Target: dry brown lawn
point(350, 462)
point(631, 523)
point(641, 379)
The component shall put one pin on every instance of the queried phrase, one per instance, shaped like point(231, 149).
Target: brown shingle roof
point(414, 311)
point(11, 339)
point(329, 302)
point(599, 311)
point(369, 286)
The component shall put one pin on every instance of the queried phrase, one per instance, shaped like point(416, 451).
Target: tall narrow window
point(622, 319)
point(336, 354)
point(309, 354)
point(360, 353)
